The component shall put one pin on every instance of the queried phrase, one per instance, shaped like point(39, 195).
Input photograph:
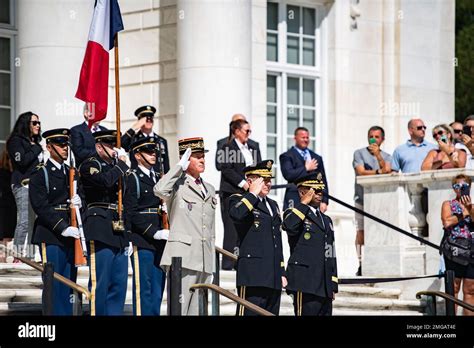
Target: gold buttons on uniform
point(307, 236)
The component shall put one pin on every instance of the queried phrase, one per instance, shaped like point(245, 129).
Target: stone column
point(213, 70)
point(52, 37)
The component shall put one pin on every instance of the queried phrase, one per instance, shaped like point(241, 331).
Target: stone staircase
point(20, 294)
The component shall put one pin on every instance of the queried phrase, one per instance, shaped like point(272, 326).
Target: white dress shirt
point(149, 172)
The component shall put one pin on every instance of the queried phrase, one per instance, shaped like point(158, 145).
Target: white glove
point(76, 200)
point(184, 161)
point(161, 235)
point(120, 152)
point(71, 232)
point(129, 249)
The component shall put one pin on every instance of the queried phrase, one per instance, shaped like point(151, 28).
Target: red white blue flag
point(94, 78)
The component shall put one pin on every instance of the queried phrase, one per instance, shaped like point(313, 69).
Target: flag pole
point(117, 121)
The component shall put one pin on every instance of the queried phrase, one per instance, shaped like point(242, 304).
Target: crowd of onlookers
point(453, 147)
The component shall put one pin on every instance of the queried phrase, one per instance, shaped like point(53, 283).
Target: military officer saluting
point(312, 269)
point(145, 115)
point(49, 196)
point(192, 208)
point(107, 240)
point(260, 265)
point(144, 222)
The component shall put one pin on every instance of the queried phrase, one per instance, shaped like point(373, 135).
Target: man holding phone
point(369, 160)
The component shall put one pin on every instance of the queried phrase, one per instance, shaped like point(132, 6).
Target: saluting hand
point(256, 186)
point(307, 197)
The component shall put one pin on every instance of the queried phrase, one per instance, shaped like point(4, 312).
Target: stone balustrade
point(413, 203)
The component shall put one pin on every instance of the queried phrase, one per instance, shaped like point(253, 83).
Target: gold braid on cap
point(192, 146)
point(312, 183)
point(264, 173)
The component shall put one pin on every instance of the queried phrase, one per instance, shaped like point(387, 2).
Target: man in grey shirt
point(369, 160)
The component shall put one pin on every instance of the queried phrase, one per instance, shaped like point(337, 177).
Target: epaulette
point(237, 194)
point(90, 159)
point(39, 166)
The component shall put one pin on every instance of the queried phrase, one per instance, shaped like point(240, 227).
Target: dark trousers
point(309, 304)
point(230, 234)
point(148, 282)
point(62, 259)
point(108, 267)
point(266, 298)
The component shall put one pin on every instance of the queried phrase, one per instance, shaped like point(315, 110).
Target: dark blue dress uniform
point(312, 267)
point(143, 218)
point(49, 193)
point(108, 261)
point(260, 263)
point(162, 164)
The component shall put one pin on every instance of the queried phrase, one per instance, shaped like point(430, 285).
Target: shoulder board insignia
point(39, 166)
point(93, 170)
point(237, 194)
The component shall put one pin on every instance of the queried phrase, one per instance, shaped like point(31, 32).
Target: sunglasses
point(149, 119)
point(36, 123)
point(421, 127)
point(438, 133)
point(459, 186)
point(457, 131)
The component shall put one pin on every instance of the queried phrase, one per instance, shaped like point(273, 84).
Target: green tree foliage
point(464, 97)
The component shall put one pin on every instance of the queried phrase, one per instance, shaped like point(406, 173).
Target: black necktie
point(152, 176)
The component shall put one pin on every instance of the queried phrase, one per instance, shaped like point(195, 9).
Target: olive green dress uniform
point(312, 268)
point(260, 263)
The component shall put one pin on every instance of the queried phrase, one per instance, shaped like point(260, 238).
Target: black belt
point(111, 206)
point(61, 207)
point(150, 211)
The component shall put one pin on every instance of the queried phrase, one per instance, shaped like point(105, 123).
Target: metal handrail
point(57, 276)
point(446, 297)
point(233, 297)
point(226, 253)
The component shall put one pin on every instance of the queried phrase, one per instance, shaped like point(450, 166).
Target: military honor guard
point(145, 115)
point(108, 243)
point(144, 222)
point(312, 268)
point(191, 206)
point(49, 197)
point(260, 265)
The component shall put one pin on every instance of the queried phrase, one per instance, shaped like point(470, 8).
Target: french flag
point(94, 78)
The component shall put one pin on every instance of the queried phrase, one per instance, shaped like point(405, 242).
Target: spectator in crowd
point(446, 156)
point(26, 153)
point(408, 157)
point(457, 216)
point(299, 161)
point(82, 140)
point(236, 154)
point(467, 143)
point(7, 203)
point(457, 131)
point(369, 160)
point(225, 140)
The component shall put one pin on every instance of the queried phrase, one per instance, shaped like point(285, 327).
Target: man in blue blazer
point(82, 140)
point(298, 162)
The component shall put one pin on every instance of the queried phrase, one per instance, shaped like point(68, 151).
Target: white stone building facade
point(334, 66)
